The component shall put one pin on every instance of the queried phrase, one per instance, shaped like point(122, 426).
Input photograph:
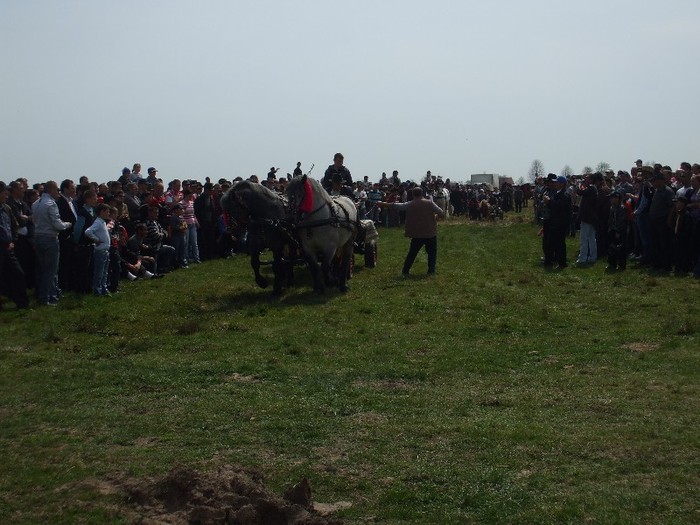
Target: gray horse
point(326, 227)
point(262, 213)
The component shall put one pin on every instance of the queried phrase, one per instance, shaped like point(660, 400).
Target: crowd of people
point(87, 236)
point(649, 215)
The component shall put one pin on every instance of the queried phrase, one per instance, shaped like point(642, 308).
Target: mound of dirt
point(229, 496)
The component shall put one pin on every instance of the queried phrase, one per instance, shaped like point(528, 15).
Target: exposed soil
point(229, 496)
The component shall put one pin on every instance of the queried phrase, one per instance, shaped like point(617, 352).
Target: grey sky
point(227, 88)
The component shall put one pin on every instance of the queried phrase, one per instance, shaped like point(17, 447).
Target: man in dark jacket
point(661, 233)
point(11, 273)
point(336, 168)
point(559, 205)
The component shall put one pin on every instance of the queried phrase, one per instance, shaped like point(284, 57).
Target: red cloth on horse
point(307, 203)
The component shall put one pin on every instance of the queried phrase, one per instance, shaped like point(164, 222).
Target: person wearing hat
point(152, 178)
point(336, 168)
point(558, 204)
point(11, 273)
point(661, 235)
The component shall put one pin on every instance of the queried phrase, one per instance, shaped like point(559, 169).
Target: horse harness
point(334, 220)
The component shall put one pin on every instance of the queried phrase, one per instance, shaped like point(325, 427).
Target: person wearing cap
point(558, 204)
point(661, 234)
point(588, 215)
point(152, 178)
point(336, 168)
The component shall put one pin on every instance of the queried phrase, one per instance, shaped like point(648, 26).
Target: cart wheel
point(371, 254)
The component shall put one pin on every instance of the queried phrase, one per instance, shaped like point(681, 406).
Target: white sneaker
point(147, 274)
point(130, 276)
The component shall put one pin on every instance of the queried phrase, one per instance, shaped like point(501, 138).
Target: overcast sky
point(233, 87)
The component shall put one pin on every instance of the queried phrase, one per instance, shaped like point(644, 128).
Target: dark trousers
point(206, 239)
point(617, 251)
point(12, 277)
point(555, 244)
point(66, 264)
point(430, 248)
point(661, 244)
point(24, 250)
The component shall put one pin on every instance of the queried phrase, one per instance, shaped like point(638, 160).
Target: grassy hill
point(493, 392)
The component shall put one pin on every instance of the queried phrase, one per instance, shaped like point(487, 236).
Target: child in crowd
point(178, 234)
point(617, 233)
point(118, 237)
point(98, 233)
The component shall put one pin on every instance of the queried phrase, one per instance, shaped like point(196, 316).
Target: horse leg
point(345, 266)
point(278, 269)
point(255, 264)
point(316, 272)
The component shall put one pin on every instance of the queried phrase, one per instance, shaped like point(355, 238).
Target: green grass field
point(493, 392)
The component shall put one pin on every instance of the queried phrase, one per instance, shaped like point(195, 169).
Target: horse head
point(300, 196)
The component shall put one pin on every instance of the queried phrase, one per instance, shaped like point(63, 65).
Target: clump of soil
point(229, 496)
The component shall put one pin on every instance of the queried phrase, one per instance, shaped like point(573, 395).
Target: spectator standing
point(588, 214)
point(24, 249)
point(47, 226)
point(682, 237)
point(192, 226)
point(661, 233)
point(617, 232)
point(178, 236)
point(82, 245)
point(68, 212)
point(559, 204)
point(207, 211)
point(11, 273)
point(99, 234)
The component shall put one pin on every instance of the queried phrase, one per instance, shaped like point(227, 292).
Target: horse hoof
point(262, 283)
point(344, 289)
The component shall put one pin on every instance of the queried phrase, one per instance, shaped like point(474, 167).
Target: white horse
point(326, 227)
point(441, 197)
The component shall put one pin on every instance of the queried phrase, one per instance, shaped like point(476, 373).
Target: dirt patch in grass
point(229, 495)
point(641, 348)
